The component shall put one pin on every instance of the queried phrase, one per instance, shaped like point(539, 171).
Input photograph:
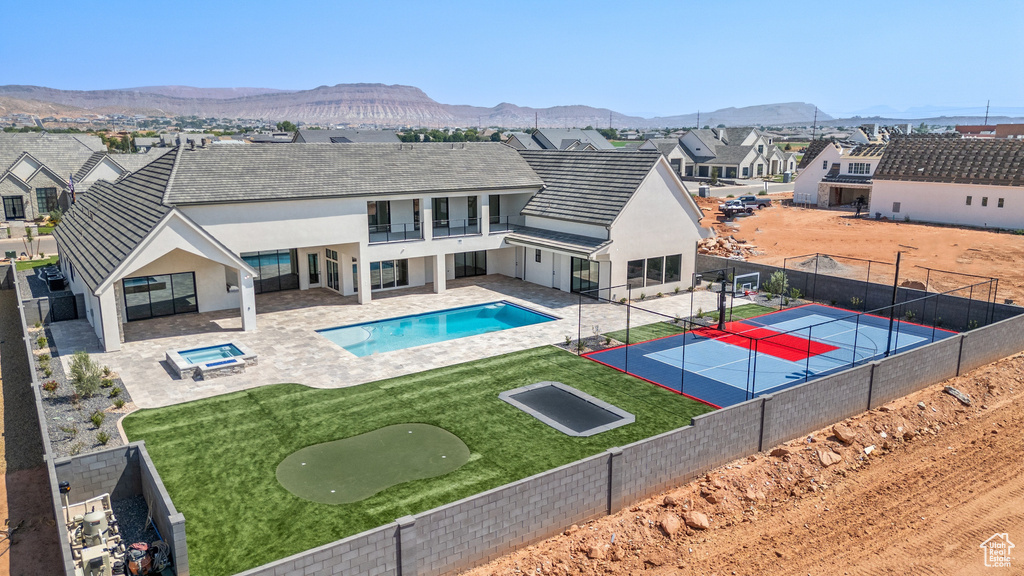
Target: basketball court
point(765, 353)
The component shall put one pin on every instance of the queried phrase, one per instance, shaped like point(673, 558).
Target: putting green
point(352, 469)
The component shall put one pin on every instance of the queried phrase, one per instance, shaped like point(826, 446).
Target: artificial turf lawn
point(218, 456)
point(355, 468)
point(647, 332)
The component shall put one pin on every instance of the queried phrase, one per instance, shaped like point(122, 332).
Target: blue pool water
point(210, 353)
point(409, 331)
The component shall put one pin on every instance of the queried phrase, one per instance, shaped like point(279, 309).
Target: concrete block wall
point(655, 464)
point(910, 371)
point(371, 553)
point(169, 522)
point(114, 471)
point(985, 345)
point(801, 409)
point(483, 527)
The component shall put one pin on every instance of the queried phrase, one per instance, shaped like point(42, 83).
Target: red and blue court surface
point(766, 353)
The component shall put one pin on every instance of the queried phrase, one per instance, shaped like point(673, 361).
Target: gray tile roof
point(254, 173)
point(64, 154)
point(561, 241)
point(590, 187)
point(665, 145)
point(869, 150)
point(104, 226)
point(134, 162)
point(730, 155)
point(559, 138)
point(953, 160)
point(522, 141)
point(344, 136)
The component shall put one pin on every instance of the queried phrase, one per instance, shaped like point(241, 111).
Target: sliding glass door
point(159, 295)
point(277, 268)
point(471, 264)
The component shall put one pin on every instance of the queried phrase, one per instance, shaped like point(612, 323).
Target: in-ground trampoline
point(567, 409)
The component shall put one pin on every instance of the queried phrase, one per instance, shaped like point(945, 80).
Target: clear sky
point(648, 58)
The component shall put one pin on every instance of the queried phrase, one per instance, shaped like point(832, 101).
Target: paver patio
point(290, 349)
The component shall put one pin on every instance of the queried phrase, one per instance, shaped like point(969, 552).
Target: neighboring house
point(673, 151)
point(817, 161)
point(992, 131)
point(735, 152)
point(836, 173)
point(972, 182)
point(343, 136)
point(35, 169)
point(206, 229)
point(559, 139)
point(144, 144)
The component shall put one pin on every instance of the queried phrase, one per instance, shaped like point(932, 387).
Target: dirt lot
point(780, 232)
point(938, 481)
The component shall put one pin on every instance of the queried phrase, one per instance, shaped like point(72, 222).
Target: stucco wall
point(947, 203)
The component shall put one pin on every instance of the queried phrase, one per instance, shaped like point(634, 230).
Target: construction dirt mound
point(822, 264)
point(915, 486)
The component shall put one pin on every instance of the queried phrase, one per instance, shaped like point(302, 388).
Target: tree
point(609, 133)
point(778, 283)
point(86, 375)
point(714, 175)
point(788, 147)
point(286, 126)
point(496, 137)
point(922, 128)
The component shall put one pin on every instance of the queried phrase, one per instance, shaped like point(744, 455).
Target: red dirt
point(782, 231)
point(938, 483)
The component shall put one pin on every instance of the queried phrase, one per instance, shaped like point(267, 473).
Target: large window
point(655, 271)
point(378, 214)
point(585, 276)
point(159, 295)
point(471, 264)
point(332, 269)
point(635, 273)
point(440, 209)
point(673, 268)
point(46, 200)
point(14, 208)
point(389, 274)
point(277, 269)
point(494, 208)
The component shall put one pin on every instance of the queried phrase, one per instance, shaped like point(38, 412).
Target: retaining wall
point(986, 345)
point(371, 553)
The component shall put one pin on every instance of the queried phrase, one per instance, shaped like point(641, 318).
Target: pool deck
point(290, 350)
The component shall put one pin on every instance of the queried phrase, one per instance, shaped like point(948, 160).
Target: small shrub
point(97, 418)
point(700, 313)
point(106, 383)
point(622, 300)
point(568, 340)
point(76, 448)
point(762, 193)
point(115, 392)
point(676, 319)
point(660, 294)
point(48, 371)
point(41, 342)
point(107, 371)
point(50, 386)
point(910, 315)
point(785, 301)
point(795, 294)
point(972, 324)
point(43, 358)
point(39, 324)
point(906, 218)
point(691, 288)
point(856, 302)
point(607, 340)
point(69, 430)
point(778, 283)
point(119, 403)
point(642, 296)
point(938, 321)
point(731, 196)
point(103, 438)
point(676, 291)
point(85, 374)
point(580, 347)
point(833, 302)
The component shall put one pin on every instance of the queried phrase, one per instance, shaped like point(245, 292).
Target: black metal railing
point(506, 223)
point(394, 233)
point(455, 227)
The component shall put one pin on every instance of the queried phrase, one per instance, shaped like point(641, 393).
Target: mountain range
point(367, 104)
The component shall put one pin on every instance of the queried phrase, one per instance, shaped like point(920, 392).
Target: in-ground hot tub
point(567, 409)
point(211, 361)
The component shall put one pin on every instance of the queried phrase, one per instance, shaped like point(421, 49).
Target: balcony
point(506, 223)
point(381, 233)
point(452, 228)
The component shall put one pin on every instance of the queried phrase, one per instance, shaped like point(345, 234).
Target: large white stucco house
point(972, 182)
point(207, 229)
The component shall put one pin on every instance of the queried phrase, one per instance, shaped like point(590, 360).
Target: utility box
point(704, 191)
point(787, 177)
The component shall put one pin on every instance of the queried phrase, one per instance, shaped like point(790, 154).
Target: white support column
point(247, 301)
point(364, 278)
point(426, 218)
point(440, 276)
point(485, 214)
point(303, 270)
point(108, 321)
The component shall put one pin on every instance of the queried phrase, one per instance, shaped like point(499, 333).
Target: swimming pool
point(408, 331)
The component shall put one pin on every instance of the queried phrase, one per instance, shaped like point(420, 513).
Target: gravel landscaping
point(69, 419)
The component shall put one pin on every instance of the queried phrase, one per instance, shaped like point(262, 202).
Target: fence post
point(614, 480)
point(406, 543)
point(871, 382)
point(960, 354)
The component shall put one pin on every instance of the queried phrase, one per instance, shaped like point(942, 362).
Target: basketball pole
point(629, 302)
point(892, 307)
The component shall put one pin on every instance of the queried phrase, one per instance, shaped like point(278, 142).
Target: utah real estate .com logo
point(997, 550)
